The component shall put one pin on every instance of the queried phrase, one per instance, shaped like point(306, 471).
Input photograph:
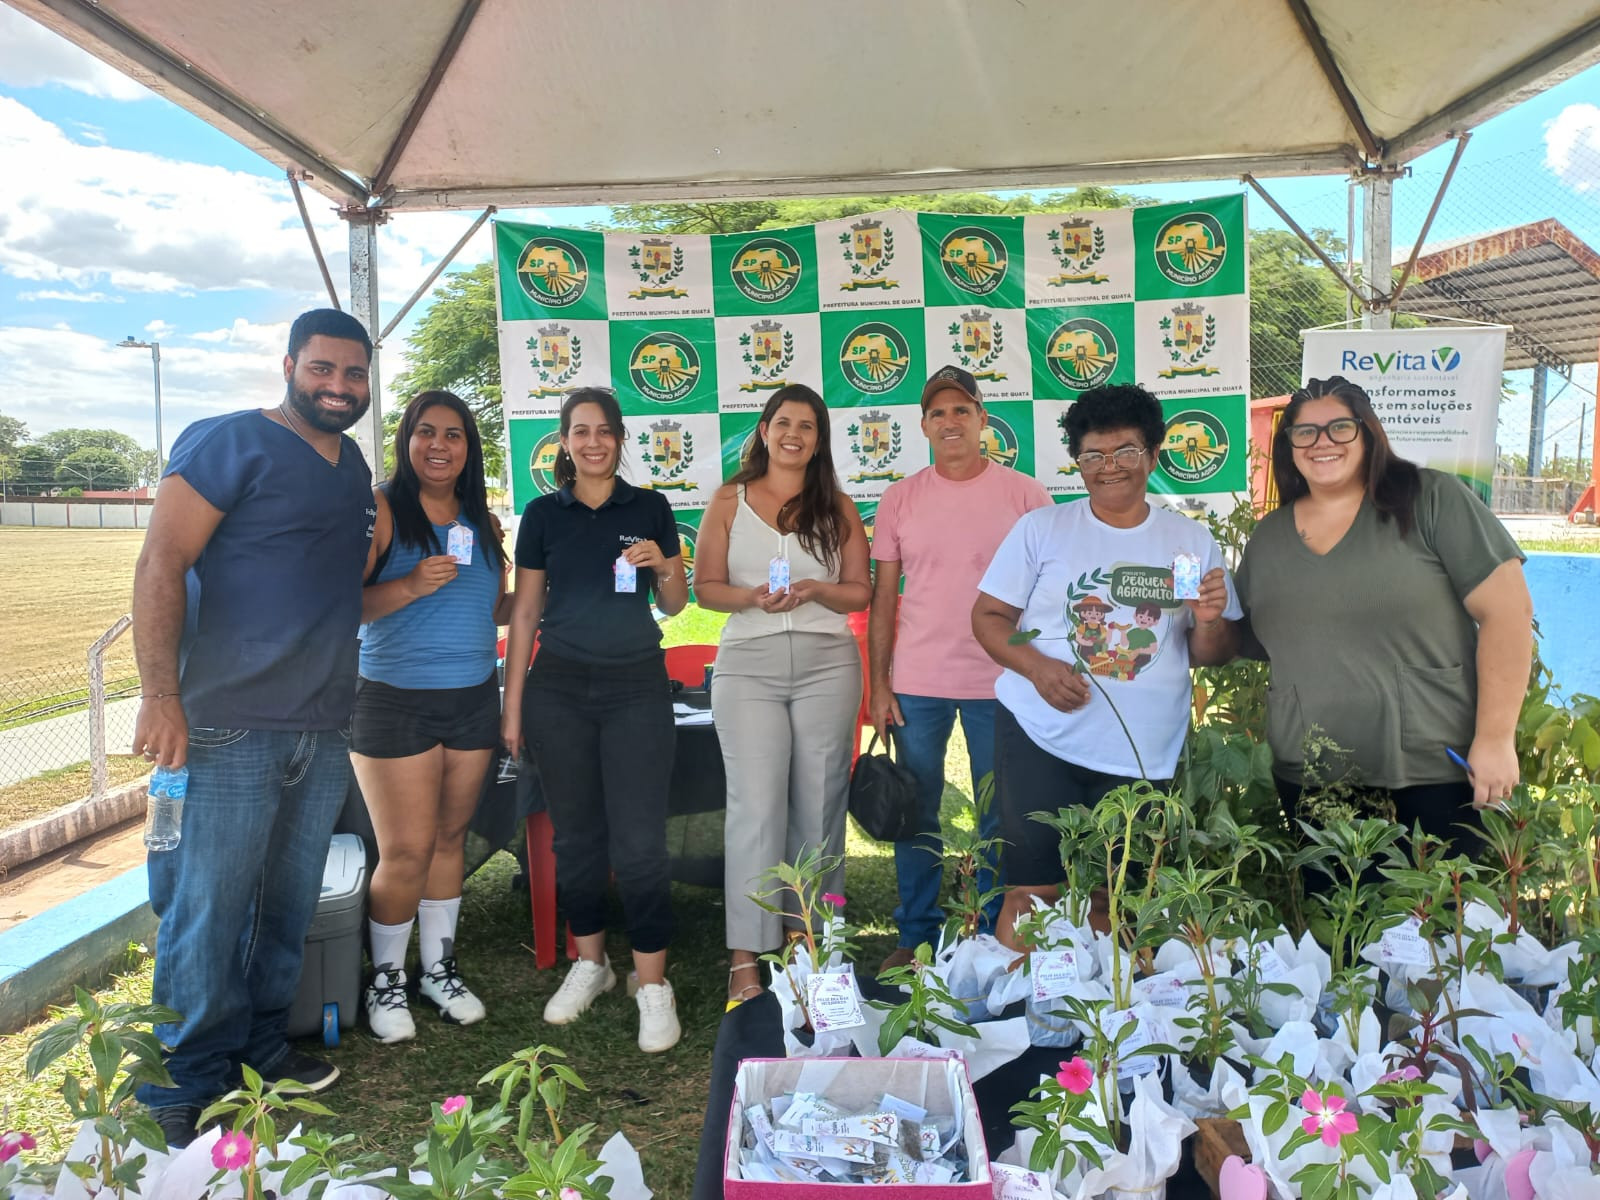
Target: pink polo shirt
point(943, 532)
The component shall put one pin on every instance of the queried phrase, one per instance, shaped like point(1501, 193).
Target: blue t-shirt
point(274, 600)
point(585, 617)
point(445, 639)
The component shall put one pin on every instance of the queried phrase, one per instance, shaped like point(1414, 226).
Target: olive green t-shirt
point(1370, 641)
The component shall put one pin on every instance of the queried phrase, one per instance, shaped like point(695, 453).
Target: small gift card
point(1165, 989)
point(1186, 576)
point(1143, 1034)
point(625, 575)
point(1019, 1183)
point(1270, 965)
point(458, 544)
point(833, 1001)
point(1054, 972)
point(778, 575)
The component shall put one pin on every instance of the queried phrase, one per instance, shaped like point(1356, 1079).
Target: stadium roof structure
point(436, 104)
point(1541, 279)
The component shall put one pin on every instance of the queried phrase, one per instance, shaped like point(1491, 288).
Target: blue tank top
point(443, 640)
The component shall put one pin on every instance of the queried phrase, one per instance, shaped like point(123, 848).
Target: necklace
point(289, 420)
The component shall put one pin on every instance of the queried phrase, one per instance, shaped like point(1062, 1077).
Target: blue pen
point(1459, 761)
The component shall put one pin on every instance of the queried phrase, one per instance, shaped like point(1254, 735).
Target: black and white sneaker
point(313, 1074)
point(388, 1015)
point(444, 986)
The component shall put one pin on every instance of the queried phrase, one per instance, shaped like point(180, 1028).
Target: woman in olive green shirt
point(1392, 607)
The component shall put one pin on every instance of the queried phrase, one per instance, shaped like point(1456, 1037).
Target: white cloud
point(1572, 146)
point(159, 329)
point(99, 216)
point(33, 56)
point(69, 297)
point(55, 378)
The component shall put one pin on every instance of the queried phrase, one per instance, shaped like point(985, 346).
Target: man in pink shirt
point(938, 529)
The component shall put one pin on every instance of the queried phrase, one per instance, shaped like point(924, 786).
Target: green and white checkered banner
point(695, 332)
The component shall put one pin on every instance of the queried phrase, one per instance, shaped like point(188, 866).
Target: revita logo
point(1445, 358)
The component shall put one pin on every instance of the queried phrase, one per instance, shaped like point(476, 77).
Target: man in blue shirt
point(247, 598)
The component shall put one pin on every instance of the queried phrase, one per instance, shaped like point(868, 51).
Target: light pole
point(128, 343)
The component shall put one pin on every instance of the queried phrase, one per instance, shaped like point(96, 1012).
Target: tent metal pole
point(1427, 224)
point(316, 247)
point(1377, 245)
point(1335, 77)
point(364, 222)
point(1302, 234)
point(434, 274)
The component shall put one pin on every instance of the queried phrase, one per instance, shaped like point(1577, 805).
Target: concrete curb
point(67, 824)
point(79, 942)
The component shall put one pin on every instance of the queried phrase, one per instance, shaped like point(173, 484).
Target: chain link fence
point(1545, 443)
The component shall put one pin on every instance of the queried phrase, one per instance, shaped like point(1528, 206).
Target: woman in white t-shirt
point(787, 682)
point(1085, 575)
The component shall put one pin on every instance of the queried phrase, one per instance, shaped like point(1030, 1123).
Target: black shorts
point(391, 722)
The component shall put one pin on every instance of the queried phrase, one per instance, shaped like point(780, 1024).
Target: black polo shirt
point(585, 617)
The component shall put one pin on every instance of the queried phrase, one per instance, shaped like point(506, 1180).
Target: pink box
point(857, 1084)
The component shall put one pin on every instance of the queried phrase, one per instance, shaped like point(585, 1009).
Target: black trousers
point(602, 737)
point(1028, 779)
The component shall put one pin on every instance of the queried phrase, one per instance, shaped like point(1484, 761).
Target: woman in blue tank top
point(427, 714)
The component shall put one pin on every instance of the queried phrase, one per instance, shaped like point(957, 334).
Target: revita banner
point(1436, 390)
point(695, 333)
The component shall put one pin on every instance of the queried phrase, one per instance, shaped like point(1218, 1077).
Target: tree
point(33, 471)
point(95, 468)
point(1290, 290)
point(12, 434)
point(62, 442)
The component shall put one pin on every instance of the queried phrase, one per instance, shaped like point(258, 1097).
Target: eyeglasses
point(1340, 432)
point(1127, 456)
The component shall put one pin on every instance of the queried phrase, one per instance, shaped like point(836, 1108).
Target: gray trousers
point(785, 707)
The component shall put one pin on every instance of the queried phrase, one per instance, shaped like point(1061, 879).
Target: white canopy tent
point(401, 105)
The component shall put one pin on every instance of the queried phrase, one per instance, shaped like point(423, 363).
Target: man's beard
point(305, 407)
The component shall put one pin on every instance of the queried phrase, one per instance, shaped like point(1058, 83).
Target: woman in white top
point(787, 684)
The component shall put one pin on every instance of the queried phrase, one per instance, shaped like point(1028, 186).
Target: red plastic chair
point(687, 664)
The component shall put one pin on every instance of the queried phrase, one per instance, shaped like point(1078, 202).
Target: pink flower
point(1328, 1119)
point(1403, 1075)
point(571, 1193)
point(1076, 1076)
point(13, 1142)
point(232, 1151)
point(834, 899)
point(453, 1104)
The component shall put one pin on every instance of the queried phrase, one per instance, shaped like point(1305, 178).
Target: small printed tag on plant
point(1185, 577)
point(832, 1000)
point(883, 1127)
point(1404, 946)
point(1144, 1033)
point(1053, 972)
point(1270, 966)
point(778, 575)
point(1165, 989)
point(1019, 1183)
point(458, 544)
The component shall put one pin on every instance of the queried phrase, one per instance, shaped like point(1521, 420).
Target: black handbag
point(883, 795)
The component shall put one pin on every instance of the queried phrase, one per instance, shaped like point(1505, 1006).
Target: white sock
point(389, 944)
point(436, 930)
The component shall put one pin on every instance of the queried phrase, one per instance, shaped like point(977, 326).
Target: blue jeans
point(918, 860)
point(236, 897)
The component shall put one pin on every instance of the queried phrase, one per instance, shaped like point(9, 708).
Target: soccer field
point(64, 588)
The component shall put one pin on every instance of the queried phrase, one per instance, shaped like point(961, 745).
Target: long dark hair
point(813, 514)
point(1392, 483)
point(566, 471)
point(404, 490)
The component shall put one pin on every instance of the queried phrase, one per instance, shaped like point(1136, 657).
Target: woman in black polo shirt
point(595, 707)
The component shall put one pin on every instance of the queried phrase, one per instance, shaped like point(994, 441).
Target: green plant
point(249, 1111)
point(796, 893)
point(973, 856)
point(928, 1006)
point(123, 1053)
point(1348, 913)
point(1068, 1130)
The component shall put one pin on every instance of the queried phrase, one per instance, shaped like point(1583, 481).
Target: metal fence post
point(97, 705)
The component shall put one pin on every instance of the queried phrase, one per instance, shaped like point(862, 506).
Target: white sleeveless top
point(752, 545)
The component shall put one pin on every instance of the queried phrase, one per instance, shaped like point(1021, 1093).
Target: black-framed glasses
point(1126, 456)
point(1341, 432)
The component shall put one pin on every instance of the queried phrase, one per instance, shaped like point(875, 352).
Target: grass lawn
point(658, 1101)
point(30, 798)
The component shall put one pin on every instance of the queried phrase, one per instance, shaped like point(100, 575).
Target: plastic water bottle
point(163, 818)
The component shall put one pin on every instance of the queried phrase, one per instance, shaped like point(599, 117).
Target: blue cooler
point(330, 979)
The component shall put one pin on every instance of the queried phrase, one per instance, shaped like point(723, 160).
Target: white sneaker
point(387, 1014)
point(658, 1017)
point(582, 986)
point(444, 986)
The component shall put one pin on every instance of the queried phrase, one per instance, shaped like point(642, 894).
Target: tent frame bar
point(424, 97)
point(316, 247)
point(1422, 234)
point(1318, 45)
point(1300, 233)
point(434, 274)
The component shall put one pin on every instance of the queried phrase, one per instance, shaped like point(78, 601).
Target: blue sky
point(122, 214)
